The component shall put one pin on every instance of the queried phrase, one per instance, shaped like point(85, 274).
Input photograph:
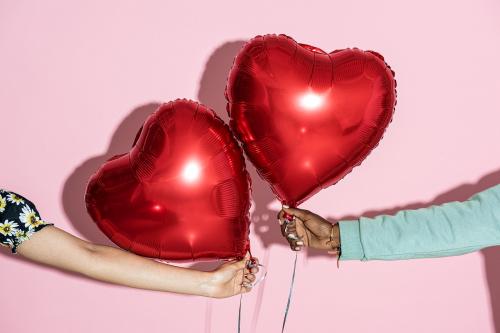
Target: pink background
point(78, 79)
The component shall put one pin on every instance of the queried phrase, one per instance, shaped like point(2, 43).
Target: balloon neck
point(288, 217)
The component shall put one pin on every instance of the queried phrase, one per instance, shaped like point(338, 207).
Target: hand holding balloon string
point(253, 267)
point(234, 277)
point(304, 228)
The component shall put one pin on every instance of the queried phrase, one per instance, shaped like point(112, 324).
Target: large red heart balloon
point(307, 117)
point(182, 192)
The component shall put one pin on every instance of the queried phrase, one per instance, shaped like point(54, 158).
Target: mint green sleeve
point(447, 230)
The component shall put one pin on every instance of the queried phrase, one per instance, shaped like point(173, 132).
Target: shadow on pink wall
point(491, 255)
point(210, 93)
point(75, 186)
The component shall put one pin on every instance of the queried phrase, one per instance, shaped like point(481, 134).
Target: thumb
point(243, 262)
point(300, 213)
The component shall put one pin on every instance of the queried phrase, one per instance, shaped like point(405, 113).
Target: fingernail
point(297, 248)
point(280, 222)
point(300, 243)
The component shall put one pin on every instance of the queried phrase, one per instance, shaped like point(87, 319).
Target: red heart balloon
point(182, 192)
point(307, 117)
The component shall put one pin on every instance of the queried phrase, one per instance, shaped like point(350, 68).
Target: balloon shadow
point(211, 93)
point(74, 188)
point(212, 85)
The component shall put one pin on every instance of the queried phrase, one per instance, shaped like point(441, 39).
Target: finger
point(295, 247)
point(284, 227)
point(289, 224)
point(291, 228)
point(281, 217)
point(255, 268)
point(251, 270)
point(301, 232)
point(284, 218)
point(250, 278)
point(300, 213)
point(246, 286)
point(292, 241)
point(295, 241)
point(292, 234)
point(241, 264)
point(245, 290)
point(252, 262)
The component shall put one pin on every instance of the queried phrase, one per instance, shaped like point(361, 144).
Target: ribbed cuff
point(350, 241)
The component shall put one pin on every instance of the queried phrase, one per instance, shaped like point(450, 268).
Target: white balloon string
point(239, 314)
point(260, 279)
point(289, 294)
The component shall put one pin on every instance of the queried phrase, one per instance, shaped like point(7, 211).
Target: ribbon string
point(289, 293)
point(259, 280)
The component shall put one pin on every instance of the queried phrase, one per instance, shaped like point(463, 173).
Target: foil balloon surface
point(306, 117)
point(181, 192)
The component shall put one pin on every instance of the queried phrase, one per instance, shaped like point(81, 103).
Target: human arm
point(450, 229)
point(308, 229)
point(22, 229)
point(57, 248)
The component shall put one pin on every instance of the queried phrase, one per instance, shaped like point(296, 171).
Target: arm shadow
point(460, 193)
point(211, 93)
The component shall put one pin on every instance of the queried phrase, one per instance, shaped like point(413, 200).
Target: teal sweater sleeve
point(450, 229)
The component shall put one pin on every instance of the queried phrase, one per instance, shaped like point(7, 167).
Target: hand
point(308, 229)
point(233, 278)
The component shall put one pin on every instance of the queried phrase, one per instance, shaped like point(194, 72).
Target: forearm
point(59, 249)
point(120, 267)
point(450, 229)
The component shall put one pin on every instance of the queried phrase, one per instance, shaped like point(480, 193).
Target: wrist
point(207, 284)
point(333, 241)
point(336, 235)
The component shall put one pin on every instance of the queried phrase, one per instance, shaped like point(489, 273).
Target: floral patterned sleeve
point(19, 219)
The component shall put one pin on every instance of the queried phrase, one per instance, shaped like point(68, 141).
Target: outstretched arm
point(57, 248)
point(450, 229)
point(22, 229)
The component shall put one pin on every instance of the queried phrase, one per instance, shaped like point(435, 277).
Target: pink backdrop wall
point(78, 78)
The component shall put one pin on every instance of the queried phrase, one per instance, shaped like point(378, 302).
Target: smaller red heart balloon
point(307, 117)
point(182, 192)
